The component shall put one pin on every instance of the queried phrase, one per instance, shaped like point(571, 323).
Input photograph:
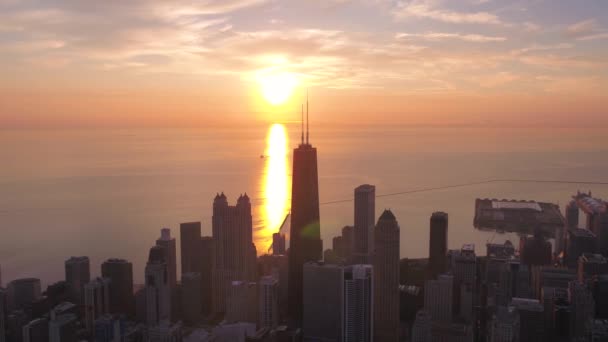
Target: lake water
point(107, 193)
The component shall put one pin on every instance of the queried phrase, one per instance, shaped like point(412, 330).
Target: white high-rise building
point(421, 330)
point(358, 303)
point(438, 298)
point(96, 301)
point(157, 290)
point(268, 302)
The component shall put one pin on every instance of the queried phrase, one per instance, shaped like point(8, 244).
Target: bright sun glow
point(277, 87)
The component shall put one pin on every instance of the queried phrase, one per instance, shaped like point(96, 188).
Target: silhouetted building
point(505, 325)
point(505, 250)
point(77, 273)
point(190, 234)
point(536, 250)
point(276, 266)
point(3, 306)
point(168, 243)
point(242, 302)
point(438, 298)
point(386, 278)
point(323, 315)
point(36, 330)
point(572, 212)
point(207, 255)
point(583, 309)
point(22, 292)
point(190, 294)
point(305, 231)
point(96, 301)
point(278, 244)
point(591, 265)
point(438, 243)
point(578, 241)
point(268, 297)
point(165, 332)
point(464, 270)
point(600, 295)
point(235, 254)
point(365, 218)
point(337, 246)
point(63, 328)
point(158, 289)
point(531, 318)
point(348, 235)
point(421, 329)
point(553, 277)
point(120, 274)
point(358, 303)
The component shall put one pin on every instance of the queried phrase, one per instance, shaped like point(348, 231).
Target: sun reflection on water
point(275, 184)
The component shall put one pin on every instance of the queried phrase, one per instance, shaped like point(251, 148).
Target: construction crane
point(280, 230)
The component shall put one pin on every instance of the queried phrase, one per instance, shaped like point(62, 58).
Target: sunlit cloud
point(427, 9)
point(437, 36)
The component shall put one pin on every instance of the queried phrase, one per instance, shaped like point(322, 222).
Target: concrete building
point(438, 243)
point(22, 292)
point(120, 274)
point(168, 243)
point(268, 297)
point(190, 296)
point(600, 294)
point(323, 316)
point(365, 218)
point(438, 298)
point(386, 278)
point(96, 301)
point(421, 329)
point(157, 288)
point(207, 255)
point(505, 325)
point(358, 303)
point(242, 302)
point(579, 241)
point(77, 273)
point(235, 254)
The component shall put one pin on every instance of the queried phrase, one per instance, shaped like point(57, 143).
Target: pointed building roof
point(387, 215)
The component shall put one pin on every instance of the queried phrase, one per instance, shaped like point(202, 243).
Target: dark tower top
point(438, 243)
point(305, 234)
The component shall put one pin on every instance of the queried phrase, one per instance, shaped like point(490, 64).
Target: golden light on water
point(276, 181)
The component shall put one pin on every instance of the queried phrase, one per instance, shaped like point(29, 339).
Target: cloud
point(427, 9)
point(437, 36)
point(586, 30)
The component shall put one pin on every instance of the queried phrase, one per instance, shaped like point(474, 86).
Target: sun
point(276, 88)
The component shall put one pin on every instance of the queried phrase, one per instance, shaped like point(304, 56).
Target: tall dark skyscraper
point(365, 219)
point(305, 235)
point(207, 248)
point(166, 241)
point(77, 273)
point(386, 278)
point(120, 273)
point(190, 235)
point(438, 244)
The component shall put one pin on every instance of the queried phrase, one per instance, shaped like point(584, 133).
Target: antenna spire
point(307, 121)
point(302, 122)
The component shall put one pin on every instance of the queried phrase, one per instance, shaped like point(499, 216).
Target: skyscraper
point(438, 243)
point(278, 244)
point(578, 242)
point(235, 255)
point(96, 301)
point(421, 329)
point(305, 231)
point(505, 325)
point(358, 303)
point(2, 315)
point(365, 218)
point(166, 241)
point(583, 309)
point(120, 274)
point(22, 292)
point(242, 303)
point(191, 297)
point(323, 314)
point(157, 290)
point(268, 297)
point(386, 278)
point(206, 246)
point(438, 298)
point(190, 234)
point(77, 273)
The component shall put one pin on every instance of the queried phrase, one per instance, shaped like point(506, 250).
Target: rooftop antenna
point(307, 128)
point(302, 122)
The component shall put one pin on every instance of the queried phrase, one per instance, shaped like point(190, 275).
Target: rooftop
point(517, 216)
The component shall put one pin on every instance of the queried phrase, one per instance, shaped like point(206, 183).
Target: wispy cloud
point(428, 9)
point(437, 36)
point(586, 30)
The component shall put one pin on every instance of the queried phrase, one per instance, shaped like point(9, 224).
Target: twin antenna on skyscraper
point(302, 121)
